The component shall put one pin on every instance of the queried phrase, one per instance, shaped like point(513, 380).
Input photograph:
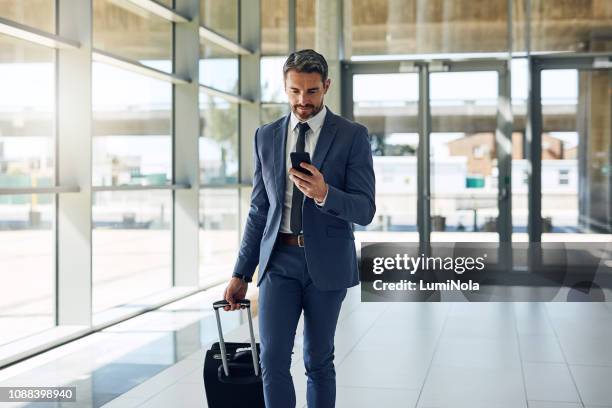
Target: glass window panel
point(218, 233)
point(272, 80)
point(464, 168)
point(132, 128)
point(572, 25)
point(220, 16)
point(34, 13)
point(576, 145)
point(218, 68)
point(384, 27)
point(272, 112)
point(27, 265)
point(132, 246)
point(387, 105)
point(27, 81)
point(274, 27)
point(126, 30)
point(218, 143)
point(305, 30)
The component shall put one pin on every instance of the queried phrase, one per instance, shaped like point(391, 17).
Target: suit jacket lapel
point(326, 137)
point(280, 157)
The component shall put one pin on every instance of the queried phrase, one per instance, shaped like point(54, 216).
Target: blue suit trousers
point(285, 290)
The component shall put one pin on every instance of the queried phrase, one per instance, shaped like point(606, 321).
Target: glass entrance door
point(451, 108)
point(463, 164)
point(576, 150)
point(387, 104)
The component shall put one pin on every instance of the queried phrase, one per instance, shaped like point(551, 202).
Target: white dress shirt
point(311, 138)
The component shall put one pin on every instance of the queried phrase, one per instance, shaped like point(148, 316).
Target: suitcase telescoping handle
point(244, 302)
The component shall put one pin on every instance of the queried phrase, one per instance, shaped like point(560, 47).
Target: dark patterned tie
point(298, 197)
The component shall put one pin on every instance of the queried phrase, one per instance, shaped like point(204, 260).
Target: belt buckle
point(300, 240)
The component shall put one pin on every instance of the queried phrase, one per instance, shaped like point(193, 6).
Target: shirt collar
point(315, 123)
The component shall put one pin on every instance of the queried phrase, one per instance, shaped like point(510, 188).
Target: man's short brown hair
point(306, 61)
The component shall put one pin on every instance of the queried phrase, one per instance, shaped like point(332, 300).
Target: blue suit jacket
point(344, 157)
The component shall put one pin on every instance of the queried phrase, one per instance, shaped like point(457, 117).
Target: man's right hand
point(236, 290)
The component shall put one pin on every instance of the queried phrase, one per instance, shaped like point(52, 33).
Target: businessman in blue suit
point(299, 231)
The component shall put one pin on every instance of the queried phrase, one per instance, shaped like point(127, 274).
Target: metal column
point(534, 152)
point(74, 164)
point(503, 141)
point(249, 113)
point(423, 174)
point(186, 123)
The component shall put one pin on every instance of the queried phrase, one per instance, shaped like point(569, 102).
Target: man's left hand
point(312, 186)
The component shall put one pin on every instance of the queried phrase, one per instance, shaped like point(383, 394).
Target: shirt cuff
point(322, 203)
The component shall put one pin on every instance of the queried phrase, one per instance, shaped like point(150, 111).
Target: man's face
point(306, 92)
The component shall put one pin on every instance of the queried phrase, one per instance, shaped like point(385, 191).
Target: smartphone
point(297, 158)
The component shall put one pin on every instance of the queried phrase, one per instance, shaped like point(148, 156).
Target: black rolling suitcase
point(232, 375)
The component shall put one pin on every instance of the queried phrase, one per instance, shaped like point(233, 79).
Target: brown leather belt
point(290, 239)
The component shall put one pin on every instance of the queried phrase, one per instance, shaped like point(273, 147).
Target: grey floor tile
point(549, 382)
point(124, 403)
point(298, 372)
point(581, 348)
point(300, 398)
point(476, 326)
point(473, 387)
point(400, 369)
point(389, 339)
point(550, 404)
point(421, 323)
point(586, 326)
point(477, 352)
point(576, 310)
point(594, 384)
point(185, 395)
point(355, 397)
point(496, 310)
point(532, 320)
point(416, 313)
point(472, 404)
point(540, 349)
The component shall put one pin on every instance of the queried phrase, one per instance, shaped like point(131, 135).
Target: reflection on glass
point(34, 13)
point(272, 79)
point(563, 26)
point(274, 27)
point(574, 150)
point(124, 29)
point(305, 24)
point(218, 143)
point(387, 105)
point(27, 97)
point(132, 246)
point(559, 151)
point(413, 26)
point(220, 16)
point(218, 68)
point(132, 128)
point(218, 233)
point(464, 172)
point(272, 112)
point(27, 271)
point(168, 3)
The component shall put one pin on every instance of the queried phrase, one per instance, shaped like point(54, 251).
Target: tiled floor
point(425, 355)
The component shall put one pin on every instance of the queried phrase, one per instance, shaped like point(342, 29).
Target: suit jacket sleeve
point(248, 255)
point(355, 203)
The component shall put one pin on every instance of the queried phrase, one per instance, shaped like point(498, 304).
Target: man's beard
point(313, 112)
